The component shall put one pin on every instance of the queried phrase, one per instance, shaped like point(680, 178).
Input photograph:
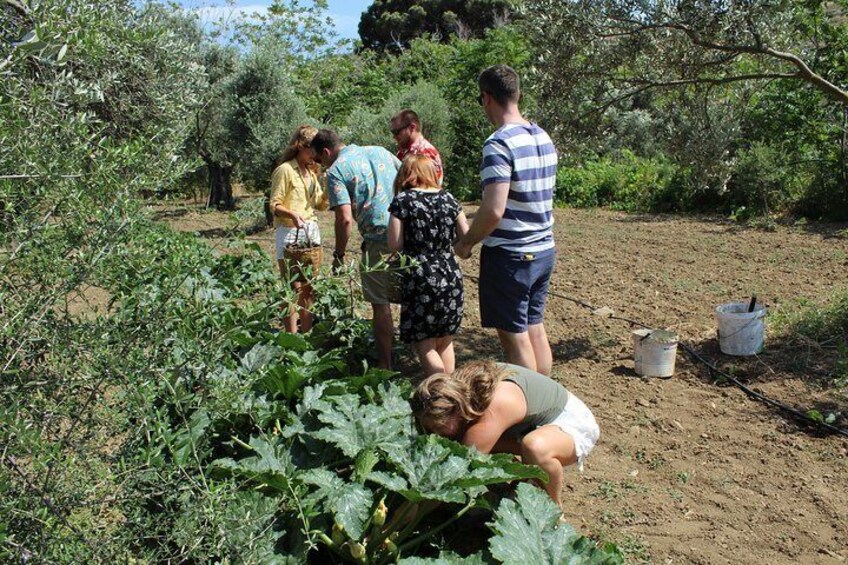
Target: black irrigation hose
point(711, 368)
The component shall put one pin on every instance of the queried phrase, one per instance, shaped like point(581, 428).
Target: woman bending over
point(502, 408)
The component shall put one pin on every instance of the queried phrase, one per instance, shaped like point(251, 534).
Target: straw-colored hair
point(465, 394)
point(416, 171)
point(300, 139)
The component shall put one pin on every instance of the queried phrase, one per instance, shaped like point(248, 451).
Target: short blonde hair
point(416, 171)
point(464, 394)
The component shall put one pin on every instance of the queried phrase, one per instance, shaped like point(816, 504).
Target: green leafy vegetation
point(151, 412)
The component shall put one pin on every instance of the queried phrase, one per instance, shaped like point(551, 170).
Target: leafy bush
point(826, 326)
point(626, 182)
point(765, 179)
point(265, 111)
point(372, 128)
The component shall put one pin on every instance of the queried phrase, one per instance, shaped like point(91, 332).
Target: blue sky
point(345, 13)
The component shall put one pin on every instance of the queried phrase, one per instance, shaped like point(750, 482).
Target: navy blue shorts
point(513, 288)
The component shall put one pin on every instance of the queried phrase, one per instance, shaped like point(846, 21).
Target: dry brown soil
point(687, 471)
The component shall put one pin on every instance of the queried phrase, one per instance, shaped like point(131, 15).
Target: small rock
point(678, 425)
point(643, 402)
point(635, 430)
point(634, 472)
point(713, 406)
point(705, 436)
point(603, 312)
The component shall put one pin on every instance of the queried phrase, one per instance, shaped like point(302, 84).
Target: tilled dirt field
point(687, 471)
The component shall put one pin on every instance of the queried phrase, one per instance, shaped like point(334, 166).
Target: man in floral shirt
point(360, 185)
point(406, 129)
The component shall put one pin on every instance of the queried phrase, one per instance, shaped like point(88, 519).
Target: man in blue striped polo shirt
point(514, 223)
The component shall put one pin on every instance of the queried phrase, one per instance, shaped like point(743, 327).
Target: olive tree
point(252, 104)
point(691, 70)
point(96, 100)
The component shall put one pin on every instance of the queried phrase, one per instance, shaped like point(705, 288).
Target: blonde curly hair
point(463, 395)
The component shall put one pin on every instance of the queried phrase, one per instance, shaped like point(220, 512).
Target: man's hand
point(463, 249)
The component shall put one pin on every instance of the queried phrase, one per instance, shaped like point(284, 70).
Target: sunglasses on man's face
point(396, 131)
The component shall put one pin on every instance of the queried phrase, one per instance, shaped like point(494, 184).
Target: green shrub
point(765, 179)
point(625, 182)
point(825, 325)
point(366, 127)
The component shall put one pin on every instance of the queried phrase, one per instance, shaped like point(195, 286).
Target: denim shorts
point(513, 288)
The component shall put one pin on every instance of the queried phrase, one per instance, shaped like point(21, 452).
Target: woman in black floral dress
point(425, 220)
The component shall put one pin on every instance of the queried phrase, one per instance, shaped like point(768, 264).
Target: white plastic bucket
point(654, 352)
point(741, 332)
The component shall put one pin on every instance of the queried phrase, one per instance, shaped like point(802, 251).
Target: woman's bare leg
point(431, 361)
point(551, 449)
point(444, 347)
point(304, 301)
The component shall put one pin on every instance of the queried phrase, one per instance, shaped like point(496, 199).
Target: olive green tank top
point(546, 398)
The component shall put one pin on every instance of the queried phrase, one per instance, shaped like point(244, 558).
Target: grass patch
point(611, 490)
point(823, 327)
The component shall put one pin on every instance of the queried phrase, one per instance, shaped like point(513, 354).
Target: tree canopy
point(392, 24)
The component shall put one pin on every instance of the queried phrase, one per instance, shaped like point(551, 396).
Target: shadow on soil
point(477, 344)
point(825, 230)
point(169, 214)
point(782, 360)
point(220, 233)
point(569, 349)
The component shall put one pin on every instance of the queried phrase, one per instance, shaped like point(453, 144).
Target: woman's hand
point(297, 219)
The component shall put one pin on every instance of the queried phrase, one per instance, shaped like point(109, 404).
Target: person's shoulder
point(427, 145)
point(448, 196)
point(347, 153)
point(539, 133)
point(382, 152)
point(502, 138)
point(286, 166)
point(509, 403)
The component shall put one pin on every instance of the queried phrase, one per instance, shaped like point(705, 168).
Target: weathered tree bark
point(220, 185)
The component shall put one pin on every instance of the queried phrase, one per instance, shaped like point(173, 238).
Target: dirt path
point(686, 471)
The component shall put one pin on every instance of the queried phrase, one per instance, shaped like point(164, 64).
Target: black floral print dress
point(432, 291)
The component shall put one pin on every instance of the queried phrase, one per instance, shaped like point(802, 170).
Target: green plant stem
point(416, 541)
point(325, 539)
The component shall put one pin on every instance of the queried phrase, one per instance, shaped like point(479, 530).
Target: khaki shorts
point(375, 284)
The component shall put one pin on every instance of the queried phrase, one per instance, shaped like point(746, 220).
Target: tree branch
point(629, 26)
point(713, 80)
point(648, 84)
point(804, 72)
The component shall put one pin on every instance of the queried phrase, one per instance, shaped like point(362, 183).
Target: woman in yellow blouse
point(295, 195)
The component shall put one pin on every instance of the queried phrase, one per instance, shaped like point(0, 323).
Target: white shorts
point(578, 421)
point(285, 236)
